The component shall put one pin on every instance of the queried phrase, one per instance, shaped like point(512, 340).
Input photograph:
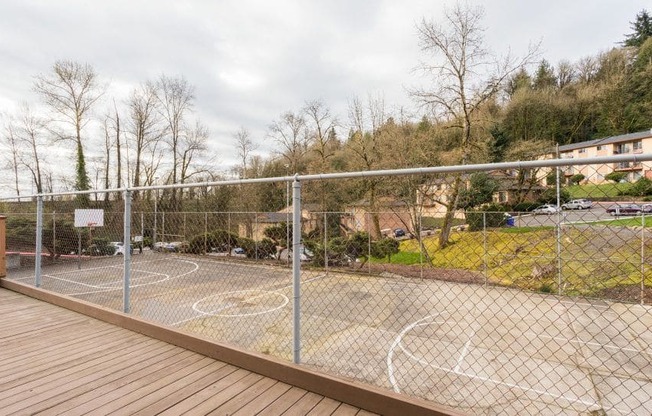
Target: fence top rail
point(530, 164)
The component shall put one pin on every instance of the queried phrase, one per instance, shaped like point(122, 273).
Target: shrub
point(551, 179)
point(525, 206)
point(641, 187)
point(385, 247)
point(615, 177)
point(220, 240)
point(261, 249)
point(493, 214)
point(549, 196)
point(576, 179)
point(101, 247)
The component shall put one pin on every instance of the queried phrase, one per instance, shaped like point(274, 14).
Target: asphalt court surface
point(484, 350)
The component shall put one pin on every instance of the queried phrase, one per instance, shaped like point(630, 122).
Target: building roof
point(606, 140)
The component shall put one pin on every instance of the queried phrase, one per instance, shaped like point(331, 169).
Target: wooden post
point(3, 244)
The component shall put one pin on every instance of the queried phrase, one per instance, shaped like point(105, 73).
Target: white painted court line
point(216, 312)
point(465, 350)
point(397, 341)
point(103, 289)
point(577, 340)
point(420, 322)
point(265, 287)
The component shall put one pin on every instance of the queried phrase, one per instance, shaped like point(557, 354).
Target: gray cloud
point(251, 60)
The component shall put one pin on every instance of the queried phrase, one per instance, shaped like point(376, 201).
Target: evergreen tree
point(642, 28)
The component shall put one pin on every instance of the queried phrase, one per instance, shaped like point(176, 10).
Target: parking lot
point(596, 213)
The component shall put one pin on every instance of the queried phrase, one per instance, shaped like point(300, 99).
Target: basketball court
point(466, 346)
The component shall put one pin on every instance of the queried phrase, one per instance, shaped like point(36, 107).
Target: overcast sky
point(251, 60)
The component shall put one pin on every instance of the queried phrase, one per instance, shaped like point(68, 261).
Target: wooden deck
point(62, 360)
point(55, 361)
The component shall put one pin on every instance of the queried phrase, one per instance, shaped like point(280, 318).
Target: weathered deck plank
point(55, 361)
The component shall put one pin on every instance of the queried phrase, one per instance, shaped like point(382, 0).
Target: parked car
point(120, 248)
point(624, 209)
point(545, 209)
point(578, 204)
point(159, 246)
point(399, 232)
point(646, 208)
point(173, 247)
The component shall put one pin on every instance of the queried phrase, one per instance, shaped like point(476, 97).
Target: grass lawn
point(628, 222)
point(597, 191)
point(592, 259)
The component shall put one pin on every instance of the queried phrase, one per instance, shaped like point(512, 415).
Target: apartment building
point(631, 143)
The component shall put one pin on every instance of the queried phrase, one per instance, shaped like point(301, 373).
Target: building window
point(621, 149)
point(583, 150)
point(600, 148)
point(637, 145)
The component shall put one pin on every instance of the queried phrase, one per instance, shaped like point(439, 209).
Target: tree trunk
point(444, 236)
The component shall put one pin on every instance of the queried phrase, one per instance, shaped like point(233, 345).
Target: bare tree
point(364, 143)
point(32, 132)
point(587, 69)
point(175, 96)
point(244, 146)
point(12, 158)
point(289, 131)
point(118, 146)
point(71, 90)
point(191, 150)
point(565, 74)
point(144, 127)
point(321, 129)
point(23, 136)
point(465, 76)
point(322, 132)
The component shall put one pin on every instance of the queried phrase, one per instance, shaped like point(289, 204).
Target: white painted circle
point(241, 303)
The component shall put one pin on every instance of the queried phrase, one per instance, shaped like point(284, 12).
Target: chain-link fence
point(532, 297)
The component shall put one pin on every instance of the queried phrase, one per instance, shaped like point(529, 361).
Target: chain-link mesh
point(531, 298)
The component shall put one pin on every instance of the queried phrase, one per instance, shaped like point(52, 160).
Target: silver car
point(578, 204)
point(545, 209)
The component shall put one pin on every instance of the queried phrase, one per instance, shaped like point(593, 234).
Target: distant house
point(516, 186)
point(255, 227)
point(390, 214)
point(513, 187)
point(625, 144)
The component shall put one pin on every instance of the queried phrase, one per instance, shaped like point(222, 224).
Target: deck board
point(56, 361)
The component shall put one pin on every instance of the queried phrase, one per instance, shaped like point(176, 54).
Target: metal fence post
point(558, 231)
point(54, 232)
point(205, 232)
point(296, 269)
point(326, 242)
point(558, 253)
point(126, 239)
point(421, 246)
point(228, 228)
point(256, 234)
point(39, 241)
point(485, 266)
point(643, 259)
